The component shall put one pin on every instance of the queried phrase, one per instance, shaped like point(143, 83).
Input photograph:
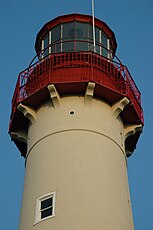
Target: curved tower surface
point(76, 117)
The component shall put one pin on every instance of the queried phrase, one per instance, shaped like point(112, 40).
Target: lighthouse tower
point(76, 117)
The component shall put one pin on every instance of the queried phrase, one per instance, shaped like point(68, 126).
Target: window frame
point(50, 37)
point(38, 211)
point(55, 45)
point(107, 47)
point(45, 49)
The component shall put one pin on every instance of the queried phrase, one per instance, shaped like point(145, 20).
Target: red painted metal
point(76, 69)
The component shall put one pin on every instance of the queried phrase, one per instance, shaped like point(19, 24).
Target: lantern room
point(74, 33)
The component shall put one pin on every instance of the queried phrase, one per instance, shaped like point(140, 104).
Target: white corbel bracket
point(54, 95)
point(89, 93)
point(131, 130)
point(20, 135)
point(119, 106)
point(28, 112)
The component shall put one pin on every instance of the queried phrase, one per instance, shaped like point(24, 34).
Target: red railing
point(87, 66)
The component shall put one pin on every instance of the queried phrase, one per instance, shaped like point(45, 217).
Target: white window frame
point(42, 47)
point(50, 36)
point(38, 207)
point(108, 47)
point(61, 39)
point(100, 41)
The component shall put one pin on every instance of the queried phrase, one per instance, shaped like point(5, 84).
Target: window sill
point(41, 220)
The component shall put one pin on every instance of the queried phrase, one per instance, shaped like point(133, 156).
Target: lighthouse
point(76, 118)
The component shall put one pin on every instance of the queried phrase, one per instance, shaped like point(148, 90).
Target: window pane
point(55, 39)
point(55, 34)
point(82, 31)
point(91, 38)
point(46, 213)
point(97, 49)
point(81, 46)
point(68, 35)
point(56, 47)
point(97, 33)
point(46, 43)
point(90, 32)
point(67, 46)
point(46, 203)
point(68, 31)
point(104, 45)
point(97, 39)
point(91, 44)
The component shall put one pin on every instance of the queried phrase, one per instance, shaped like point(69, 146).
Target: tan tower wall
point(76, 149)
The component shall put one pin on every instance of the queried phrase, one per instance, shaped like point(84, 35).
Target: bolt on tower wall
point(76, 117)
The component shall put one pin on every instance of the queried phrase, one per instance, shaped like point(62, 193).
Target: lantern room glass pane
point(56, 39)
point(97, 39)
point(81, 46)
point(67, 36)
point(67, 46)
point(91, 44)
point(104, 45)
point(82, 33)
point(90, 32)
point(97, 36)
point(45, 46)
point(68, 31)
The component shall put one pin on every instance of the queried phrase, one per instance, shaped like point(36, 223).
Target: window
point(45, 207)
point(75, 36)
point(45, 45)
point(104, 45)
point(56, 39)
point(97, 39)
point(67, 36)
point(82, 33)
point(97, 33)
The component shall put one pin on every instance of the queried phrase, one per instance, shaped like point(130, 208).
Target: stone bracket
point(54, 95)
point(119, 106)
point(89, 93)
point(28, 112)
point(131, 130)
point(20, 135)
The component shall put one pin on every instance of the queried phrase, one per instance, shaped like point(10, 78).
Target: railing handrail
point(90, 41)
point(123, 67)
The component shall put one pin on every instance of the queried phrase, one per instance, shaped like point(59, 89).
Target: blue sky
point(132, 22)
